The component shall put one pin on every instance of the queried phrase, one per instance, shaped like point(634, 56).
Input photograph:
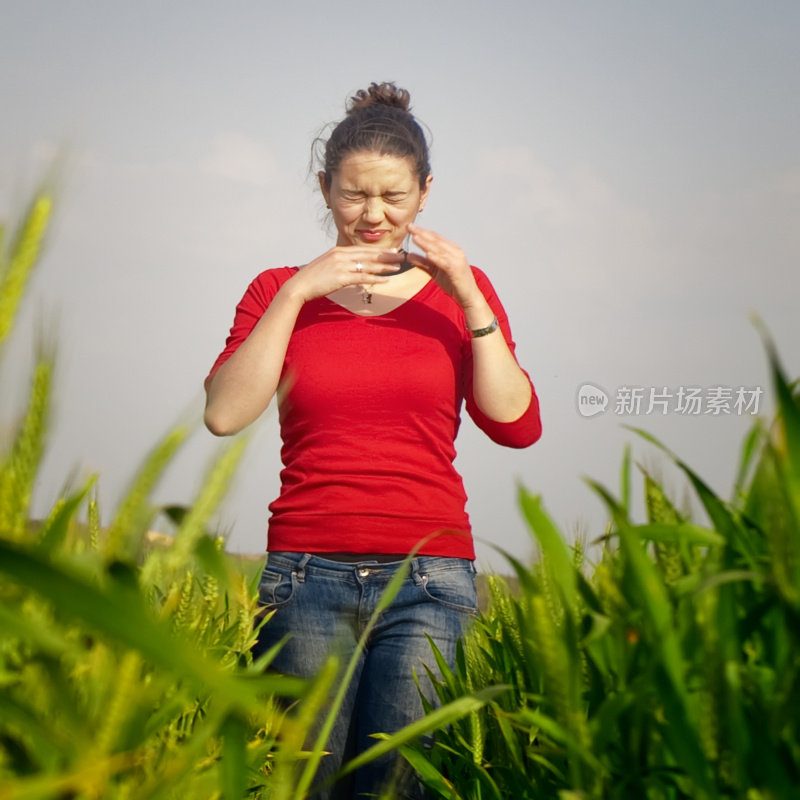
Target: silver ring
point(359, 267)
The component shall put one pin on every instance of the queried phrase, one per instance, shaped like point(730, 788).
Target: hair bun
point(386, 94)
point(378, 120)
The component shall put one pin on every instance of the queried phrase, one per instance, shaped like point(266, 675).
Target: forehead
point(373, 170)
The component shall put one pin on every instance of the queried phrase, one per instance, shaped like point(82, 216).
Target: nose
point(373, 210)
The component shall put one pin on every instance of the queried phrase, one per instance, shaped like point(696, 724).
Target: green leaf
point(53, 533)
point(750, 447)
point(557, 556)
point(559, 734)
point(789, 409)
point(434, 780)
point(233, 766)
point(680, 533)
point(439, 718)
point(625, 481)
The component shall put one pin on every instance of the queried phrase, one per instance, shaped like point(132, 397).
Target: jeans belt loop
point(415, 572)
point(300, 570)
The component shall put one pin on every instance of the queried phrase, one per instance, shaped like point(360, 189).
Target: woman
point(372, 350)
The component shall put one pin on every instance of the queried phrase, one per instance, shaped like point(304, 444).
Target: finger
point(434, 262)
point(421, 235)
point(416, 230)
point(368, 254)
point(371, 261)
point(365, 268)
point(426, 264)
point(438, 250)
point(362, 274)
point(421, 261)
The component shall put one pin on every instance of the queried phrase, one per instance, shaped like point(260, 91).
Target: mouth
point(371, 236)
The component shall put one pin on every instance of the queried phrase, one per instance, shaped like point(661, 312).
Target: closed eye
point(389, 197)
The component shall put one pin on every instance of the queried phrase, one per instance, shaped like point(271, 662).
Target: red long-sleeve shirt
point(370, 420)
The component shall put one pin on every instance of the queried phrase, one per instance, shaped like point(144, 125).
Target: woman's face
point(373, 198)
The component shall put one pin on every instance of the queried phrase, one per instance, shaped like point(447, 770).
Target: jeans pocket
point(276, 588)
point(453, 588)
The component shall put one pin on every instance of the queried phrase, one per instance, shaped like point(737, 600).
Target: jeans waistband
point(299, 563)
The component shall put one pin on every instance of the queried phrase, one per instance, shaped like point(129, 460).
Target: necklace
point(405, 266)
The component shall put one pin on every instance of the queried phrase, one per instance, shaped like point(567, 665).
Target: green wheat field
point(667, 668)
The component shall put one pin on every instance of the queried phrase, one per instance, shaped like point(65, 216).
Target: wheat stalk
point(16, 270)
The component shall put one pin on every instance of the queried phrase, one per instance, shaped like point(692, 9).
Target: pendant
point(366, 296)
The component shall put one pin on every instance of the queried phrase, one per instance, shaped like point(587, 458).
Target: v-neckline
point(414, 296)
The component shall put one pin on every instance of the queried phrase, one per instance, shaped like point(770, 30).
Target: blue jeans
point(324, 605)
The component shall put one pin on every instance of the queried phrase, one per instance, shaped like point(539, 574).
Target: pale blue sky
point(627, 174)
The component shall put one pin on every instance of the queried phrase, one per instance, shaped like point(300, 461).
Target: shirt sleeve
point(249, 311)
point(526, 429)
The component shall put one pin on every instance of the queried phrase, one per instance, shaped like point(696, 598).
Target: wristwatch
point(490, 328)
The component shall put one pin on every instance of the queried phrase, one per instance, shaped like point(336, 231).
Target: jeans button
point(363, 572)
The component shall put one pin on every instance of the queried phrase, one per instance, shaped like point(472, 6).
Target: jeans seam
point(465, 609)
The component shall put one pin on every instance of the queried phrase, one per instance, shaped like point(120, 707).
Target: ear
point(326, 192)
point(423, 197)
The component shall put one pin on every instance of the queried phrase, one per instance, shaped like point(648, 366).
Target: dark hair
point(378, 120)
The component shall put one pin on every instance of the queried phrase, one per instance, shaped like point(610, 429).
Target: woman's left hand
point(501, 389)
point(447, 264)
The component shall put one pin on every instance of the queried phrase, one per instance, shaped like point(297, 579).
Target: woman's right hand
point(244, 385)
point(337, 269)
